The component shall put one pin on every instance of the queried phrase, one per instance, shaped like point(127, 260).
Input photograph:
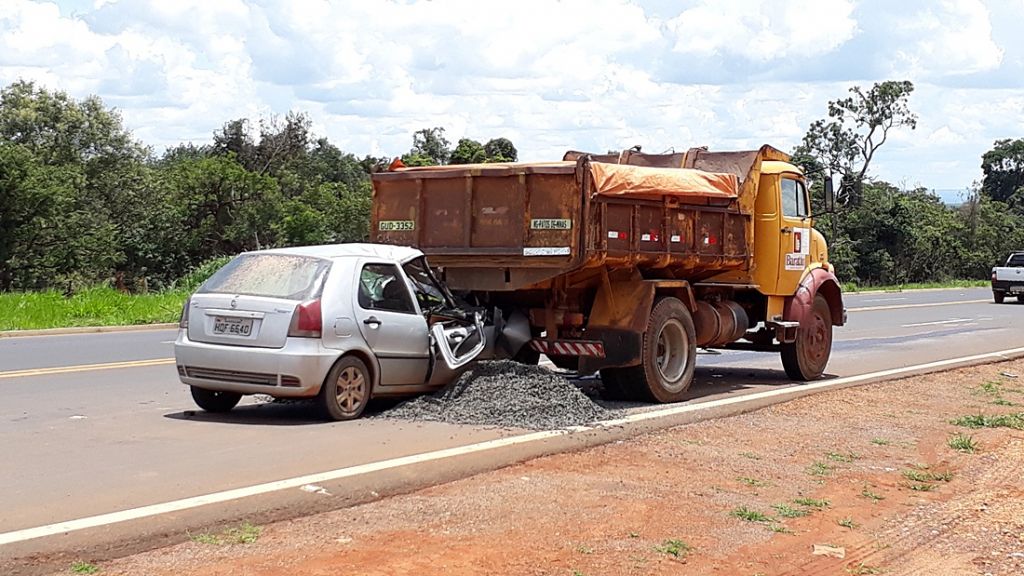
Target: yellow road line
point(927, 305)
point(85, 368)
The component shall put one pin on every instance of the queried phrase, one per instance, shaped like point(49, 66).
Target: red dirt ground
point(625, 508)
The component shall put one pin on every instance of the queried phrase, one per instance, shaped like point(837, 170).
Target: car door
point(391, 323)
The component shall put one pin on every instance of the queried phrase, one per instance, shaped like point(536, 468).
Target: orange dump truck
point(626, 264)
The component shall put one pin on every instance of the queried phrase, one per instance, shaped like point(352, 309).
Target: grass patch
point(100, 306)
point(867, 493)
point(750, 455)
point(753, 482)
point(1003, 402)
point(837, 457)
point(991, 388)
point(852, 288)
point(1015, 421)
point(847, 523)
point(819, 469)
point(812, 503)
point(84, 568)
point(963, 443)
point(246, 533)
point(927, 476)
point(780, 529)
point(584, 549)
point(744, 513)
point(921, 487)
point(880, 442)
point(787, 511)
point(862, 569)
point(676, 548)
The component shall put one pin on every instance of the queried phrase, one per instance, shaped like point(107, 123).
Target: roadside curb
point(129, 531)
point(85, 330)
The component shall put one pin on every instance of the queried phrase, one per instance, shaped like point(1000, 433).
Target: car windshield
point(429, 294)
point(273, 275)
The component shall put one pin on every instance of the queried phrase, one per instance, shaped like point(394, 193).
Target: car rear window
point(273, 275)
point(1017, 260)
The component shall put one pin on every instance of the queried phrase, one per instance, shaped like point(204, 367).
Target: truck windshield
point(273, 275)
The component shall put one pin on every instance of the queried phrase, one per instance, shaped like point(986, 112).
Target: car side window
point(794, 199)
point(382, 288)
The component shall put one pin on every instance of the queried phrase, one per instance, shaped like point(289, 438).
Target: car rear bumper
point(1010, 287)
point(294, 371)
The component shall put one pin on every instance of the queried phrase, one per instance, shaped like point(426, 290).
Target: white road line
point(886, 299)
point(927, 305)
point(291, 483)
point(938, 322)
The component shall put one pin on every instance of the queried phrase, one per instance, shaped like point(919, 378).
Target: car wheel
point(346, 390)
point(998, 297)
point(806, 358)
point(215, 400)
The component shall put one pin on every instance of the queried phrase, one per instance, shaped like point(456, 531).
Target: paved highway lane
point(99, 440)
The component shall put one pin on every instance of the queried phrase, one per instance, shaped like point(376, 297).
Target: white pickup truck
point(1009, 279)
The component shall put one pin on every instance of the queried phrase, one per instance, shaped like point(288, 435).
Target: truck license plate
point(1016, 289)
point(232, 326)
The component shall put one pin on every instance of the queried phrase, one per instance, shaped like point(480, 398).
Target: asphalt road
point(80, 440)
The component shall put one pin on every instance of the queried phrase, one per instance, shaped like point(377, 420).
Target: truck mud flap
point(621, 346)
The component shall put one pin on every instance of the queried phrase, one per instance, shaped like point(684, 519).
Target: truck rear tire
point(612, 385)
point(668, 356)
point(998, 296)
point(806, 358)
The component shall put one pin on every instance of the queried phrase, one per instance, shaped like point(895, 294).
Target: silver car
point(341, 323)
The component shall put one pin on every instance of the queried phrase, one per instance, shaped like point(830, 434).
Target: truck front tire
point(806, 358)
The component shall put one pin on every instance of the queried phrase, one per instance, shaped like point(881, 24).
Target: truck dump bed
point(498, 227)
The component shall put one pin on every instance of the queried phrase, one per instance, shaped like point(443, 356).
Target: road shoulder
point(899, 499)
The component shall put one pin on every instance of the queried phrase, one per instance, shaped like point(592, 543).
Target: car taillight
point(183, 321)
point(306, 320)
point(993, 275)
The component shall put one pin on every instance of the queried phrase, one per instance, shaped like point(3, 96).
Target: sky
point(549, 75)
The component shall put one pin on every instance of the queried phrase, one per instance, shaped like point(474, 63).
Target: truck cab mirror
point(830, 194)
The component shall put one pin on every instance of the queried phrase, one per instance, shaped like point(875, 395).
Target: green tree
point(1003, 167)
point(501, 150)
point(857, 126)
point(468, 151)
point(429, 148)
point(77, 157)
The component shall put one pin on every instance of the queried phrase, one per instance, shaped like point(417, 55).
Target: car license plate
point(232, 326)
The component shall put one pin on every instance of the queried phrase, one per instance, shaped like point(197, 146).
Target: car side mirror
point(830, 194)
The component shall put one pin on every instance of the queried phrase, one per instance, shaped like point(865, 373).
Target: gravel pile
point(507, 394)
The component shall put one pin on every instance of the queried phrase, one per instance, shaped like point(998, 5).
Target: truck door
point(392, 325)
point(794, 234)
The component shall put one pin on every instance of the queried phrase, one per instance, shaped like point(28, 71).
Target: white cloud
point(597, 74)
point(763, 32)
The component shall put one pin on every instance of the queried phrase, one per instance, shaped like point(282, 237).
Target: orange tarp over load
point(641, 181)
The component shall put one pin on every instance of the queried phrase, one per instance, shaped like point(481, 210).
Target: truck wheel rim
point(820, 342)
point(351, 390)
point(672, 347)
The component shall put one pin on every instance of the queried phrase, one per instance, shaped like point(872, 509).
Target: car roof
point(330, 251)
